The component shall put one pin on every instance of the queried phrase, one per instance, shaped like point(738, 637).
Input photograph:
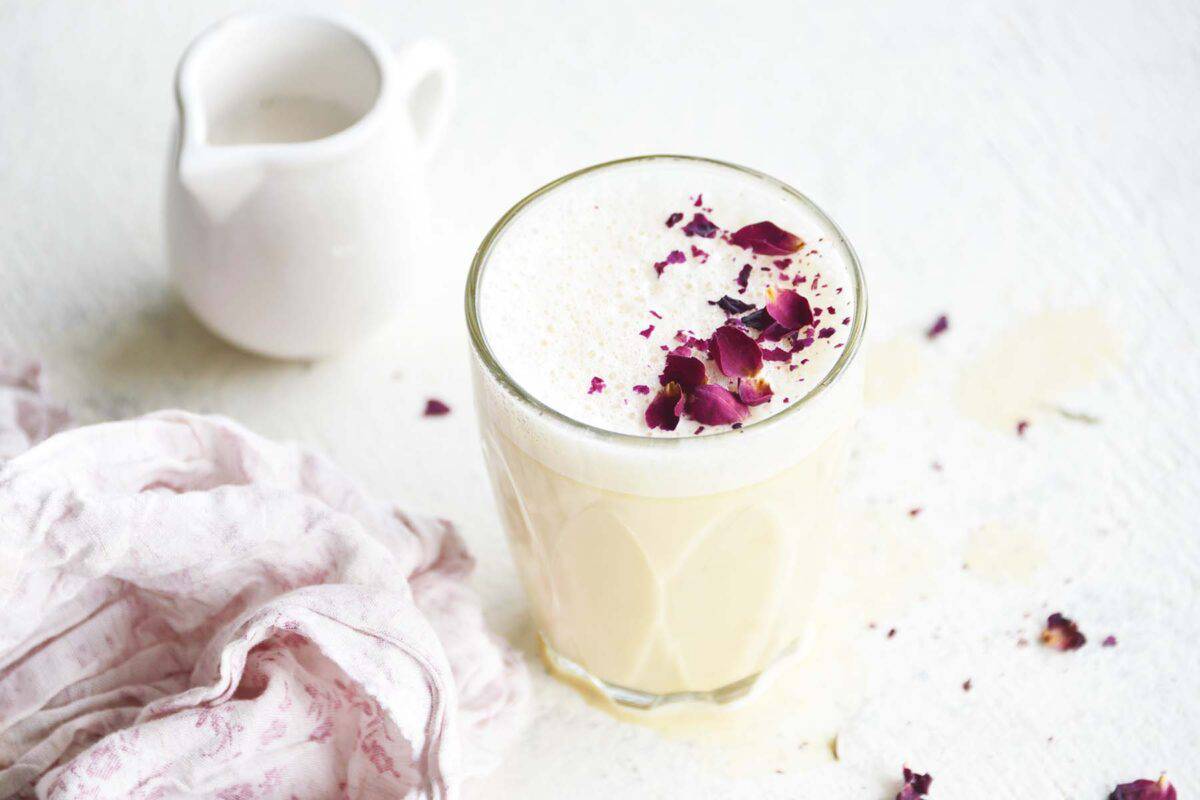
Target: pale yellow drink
point(660, 565)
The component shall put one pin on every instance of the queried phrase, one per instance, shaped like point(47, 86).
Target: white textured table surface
point(1005, 163)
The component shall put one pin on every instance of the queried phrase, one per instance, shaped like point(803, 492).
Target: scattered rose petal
point(666, 408)
point(743, 278)
point(790, 310)
point(699, 200)
point(826, 333)
point(940, 326)
point(1143, 789)
point(1022, 426)
point(699, 254)
point(754, 391)
point(759, 320)
point(915, 785)
point(1062, 633)
point(646, 332)
point(912, 512)
point(1109, 641)
point(685, 370)
point(711, 404)
point(435, 408)
point(731, 305)
point(776, 354)
point(673, 257)
point(766, 239)
point(674, 218)
point(783, 263)
point(597, 385)
point(655, 314)
point(967, 685)
point(700, 226)
point(736, 354)
point(641, 388)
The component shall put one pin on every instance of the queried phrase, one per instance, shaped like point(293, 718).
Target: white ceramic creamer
point(295, 185)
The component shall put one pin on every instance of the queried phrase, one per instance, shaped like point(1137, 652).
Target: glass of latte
point(664, 372)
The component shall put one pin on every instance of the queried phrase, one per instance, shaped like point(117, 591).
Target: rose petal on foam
point(754, 391)
point(597, 385)
point(646, 333)
point(1143, 789)
point(673, 257)
point(641, 388)
point(790, 310)
point(776, 354)
point(685, 370)
point(711, 404)
point(665, 409)
point(766, 239)
point(674, 218)
point(759, 320)
point(939, 326)
point(701, 226)
point(1062, 633)
point(699, 255)
point(915, 785)
point(731, 305)
point(736, 354)
point(743, 278)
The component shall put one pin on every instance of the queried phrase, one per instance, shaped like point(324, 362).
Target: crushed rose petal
point(597, 385)
point(743, 278)
point(790, 310)
point(759, 320)
point(685, 370)
point(1144, 789)
point(826, 333)
point(673, 257)
point(646, 332)
point(731, 305)
point(701, 226)
point(783, 263)
point(915, 785)
point(674, 218)
point(776, 354)
point(666, 408)
point(1062, 633)
point(1022, 426)
point(1109, 641)
point(766, 239)
point(641, 388)
point(754, 391)
point(699, 254)
point(735, 353)
point(435, 408)
point(711, 404)
point(939, 326)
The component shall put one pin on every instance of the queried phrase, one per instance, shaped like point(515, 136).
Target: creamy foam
point(570, 287)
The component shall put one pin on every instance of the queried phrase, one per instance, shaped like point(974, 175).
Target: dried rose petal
point(673, 257)
point(743, 278)
point(759, 320)
point(915, 785)
point(754, 391)
point(1143, 789)
point(699, 254)
point(685, 370)
point(790, 310)
point(641, 388)
point(646, 332)
point(1109, 641)
point(1062, 633)
point(699, 200)
point(666, 408)
point(736, 354)
point(674, 218)
point(776, 354)
point(731, 305)
point(766, 239)
point(940, 326)
point(597, 385)
point(701, 226)
point(1022, 426)
point(782, 263)
point(435, 408)
point(825, 333)
point(715, 405)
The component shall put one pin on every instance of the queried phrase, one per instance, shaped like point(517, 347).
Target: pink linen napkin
point(190, 610)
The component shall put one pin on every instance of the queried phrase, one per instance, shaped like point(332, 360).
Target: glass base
point(564, 668)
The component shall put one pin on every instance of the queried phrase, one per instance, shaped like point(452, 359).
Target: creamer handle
point(427, 63)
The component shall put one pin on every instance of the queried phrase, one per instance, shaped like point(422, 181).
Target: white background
point(990, 160)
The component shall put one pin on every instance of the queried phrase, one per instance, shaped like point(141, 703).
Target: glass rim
point(482, 350)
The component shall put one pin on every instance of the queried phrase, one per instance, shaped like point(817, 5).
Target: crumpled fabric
point(189, 610)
